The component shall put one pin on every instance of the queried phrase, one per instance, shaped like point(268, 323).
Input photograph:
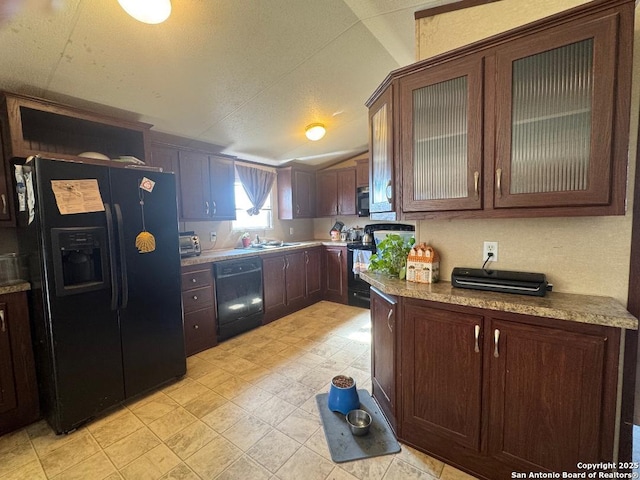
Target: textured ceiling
point(246, 75)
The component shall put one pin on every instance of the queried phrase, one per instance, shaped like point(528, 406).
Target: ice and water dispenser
point(80, 259)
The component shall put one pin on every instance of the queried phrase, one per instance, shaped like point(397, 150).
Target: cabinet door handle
point(339, 253)
point(499, 181)
point(193, 280)
point(389, 315)
point(196, 327)
point(477, 347)
point(389, 190)
point(476, 179)
point(4, 204)
point(496, 338)
point(306, 258)
point(215, 207)
point(297, 208)
point(206, 208)
point(195, 297)
point(284, 264)
point(3, 324)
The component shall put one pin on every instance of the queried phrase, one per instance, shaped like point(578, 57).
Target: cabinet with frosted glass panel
point(533, 122)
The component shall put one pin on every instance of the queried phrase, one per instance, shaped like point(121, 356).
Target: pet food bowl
point(359, 422)
point(343, 396)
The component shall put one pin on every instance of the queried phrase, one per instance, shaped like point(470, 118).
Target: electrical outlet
point(213, 236)
point(290, 230)
point(490, 247)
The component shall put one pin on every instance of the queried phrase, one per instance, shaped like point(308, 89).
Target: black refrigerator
point(106, 302)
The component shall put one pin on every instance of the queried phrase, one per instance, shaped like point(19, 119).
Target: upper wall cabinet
point(33, 126)
point(336, 192)
point(296, 193)
point(382, 194)
point(205, 182)
point(533, 122)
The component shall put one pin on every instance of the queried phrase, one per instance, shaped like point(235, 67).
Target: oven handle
point(361, 296)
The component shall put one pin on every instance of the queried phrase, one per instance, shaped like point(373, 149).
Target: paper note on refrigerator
point(77, 196)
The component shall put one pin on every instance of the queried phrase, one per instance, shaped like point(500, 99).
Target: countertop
point(15, 287)
point(232, 253)
point(563, 306)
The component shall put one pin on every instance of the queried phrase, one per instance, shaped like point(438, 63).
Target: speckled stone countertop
point(232, 253)
point(15, 287)
point(563, 306)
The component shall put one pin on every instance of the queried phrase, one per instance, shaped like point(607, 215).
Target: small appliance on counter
point(504, 281)
point(189, 244)
point(336, 231)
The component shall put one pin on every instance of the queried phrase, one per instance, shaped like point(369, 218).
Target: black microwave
point(362, 199)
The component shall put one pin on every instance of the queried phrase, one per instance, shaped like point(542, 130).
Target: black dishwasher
point(239, 305)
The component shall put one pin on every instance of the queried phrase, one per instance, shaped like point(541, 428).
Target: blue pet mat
point(346, 447)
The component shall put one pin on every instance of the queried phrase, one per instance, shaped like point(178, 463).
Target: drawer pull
point(193, 280)
point(389, 315)
point(3, 324)
point(195, 327)
point(496, 338)
point(477, 347)
point(195, 297)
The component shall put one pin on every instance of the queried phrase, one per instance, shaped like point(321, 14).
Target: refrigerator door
point(77, 335)
point(151, 301)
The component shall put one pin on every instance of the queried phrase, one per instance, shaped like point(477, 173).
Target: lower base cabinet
point(335, 275)
point(19, 405)
point(385, 312)
point(200, 327)
point(494, 393)
point(291, 281)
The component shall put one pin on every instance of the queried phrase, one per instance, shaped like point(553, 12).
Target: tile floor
point(245, 410)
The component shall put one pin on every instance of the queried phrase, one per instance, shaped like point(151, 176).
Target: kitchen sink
point(271, 245)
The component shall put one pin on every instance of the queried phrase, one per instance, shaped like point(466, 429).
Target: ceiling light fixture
point(147, 11)
point(315, 131)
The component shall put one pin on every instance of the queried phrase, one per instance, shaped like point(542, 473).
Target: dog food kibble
point(342, 381)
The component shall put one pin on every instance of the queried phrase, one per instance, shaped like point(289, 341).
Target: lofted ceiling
point(245, 75)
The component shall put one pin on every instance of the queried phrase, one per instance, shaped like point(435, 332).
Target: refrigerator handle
point(123, 258)
point(112, 256)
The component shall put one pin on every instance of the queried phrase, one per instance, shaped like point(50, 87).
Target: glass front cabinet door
point(441, 124)
point(382, 181)
point(555, 103)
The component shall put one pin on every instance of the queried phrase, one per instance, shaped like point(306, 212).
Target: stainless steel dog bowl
point(359, 422)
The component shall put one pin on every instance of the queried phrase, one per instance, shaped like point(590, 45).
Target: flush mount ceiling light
point(147, 11)
point(315, 131)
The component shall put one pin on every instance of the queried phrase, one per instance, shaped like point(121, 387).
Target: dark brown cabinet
point(384, 325)
point(198, 300)
point(362, 173)
point(335, 274)
point(296, 193)
point(382, 189)
point(497, 392)
point(34, 126)
point(546, 390)
point(313, 277)
point(19, 404)
point(532, 122)
point(442, 375)
point(336, 192)
point(291, 281)
point(206, 187)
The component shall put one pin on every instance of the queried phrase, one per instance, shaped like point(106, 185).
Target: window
point(244, 221)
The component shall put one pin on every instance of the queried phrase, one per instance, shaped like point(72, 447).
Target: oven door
point(358, 289)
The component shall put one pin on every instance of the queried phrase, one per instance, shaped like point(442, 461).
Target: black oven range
point(358, 289)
